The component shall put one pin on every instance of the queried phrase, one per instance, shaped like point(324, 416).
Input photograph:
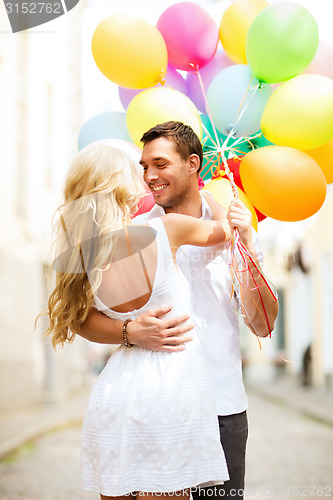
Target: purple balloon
point(173, 80)
point(219, 62)
point(126, 95)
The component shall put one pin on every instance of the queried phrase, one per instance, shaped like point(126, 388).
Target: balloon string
point(236, 275)
point(243, 249)
point(279, 354)
point(260, 296)
point(235, 242)
point(241, 111)
point(163, 73)
point(207, 107)
point(221, 156)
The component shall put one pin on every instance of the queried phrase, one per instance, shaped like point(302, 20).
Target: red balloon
point(145, 204)
point(233, 164)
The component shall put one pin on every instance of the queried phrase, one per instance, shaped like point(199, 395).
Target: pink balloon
point(219, 62)
point(190, 34)
point(322, 63)
point(173, 80)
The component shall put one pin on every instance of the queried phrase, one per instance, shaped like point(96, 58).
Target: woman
point(150, 427)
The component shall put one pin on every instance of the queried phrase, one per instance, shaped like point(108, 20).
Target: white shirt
point(214, 315)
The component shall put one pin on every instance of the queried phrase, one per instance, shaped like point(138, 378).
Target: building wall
point(40, 103)
point(319, 243)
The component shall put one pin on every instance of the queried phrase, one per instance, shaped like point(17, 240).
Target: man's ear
point(194, 162)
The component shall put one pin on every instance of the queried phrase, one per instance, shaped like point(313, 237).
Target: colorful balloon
point(236, 100)
point(283, 183)
point(109, 125)
point(222, 193)
point(324, 157)
point(173, 79)
point(145, 204)
point(299, 113)
point(234, 164)
point(322, 63)
point(159, 105)
point(281, 42)
point(191, 35)
point(194, 91)
point(235, 24)
point(129, 51)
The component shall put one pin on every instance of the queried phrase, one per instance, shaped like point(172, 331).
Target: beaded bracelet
point(127, 344)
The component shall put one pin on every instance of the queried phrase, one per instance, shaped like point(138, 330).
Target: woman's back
point(142, 274)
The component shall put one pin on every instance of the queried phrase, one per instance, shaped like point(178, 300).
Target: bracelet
point(127, 344)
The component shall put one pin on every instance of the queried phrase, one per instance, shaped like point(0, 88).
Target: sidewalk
point(313, 402)
point(17, 428)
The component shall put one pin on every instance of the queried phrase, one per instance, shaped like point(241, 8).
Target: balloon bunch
point(276, 140)
point(262, 103)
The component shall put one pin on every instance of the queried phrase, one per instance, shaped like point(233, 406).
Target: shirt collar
point(206, 212)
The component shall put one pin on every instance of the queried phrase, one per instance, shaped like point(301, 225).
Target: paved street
point(289, 457)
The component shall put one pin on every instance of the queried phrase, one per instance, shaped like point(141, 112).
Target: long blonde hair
point(102, 189)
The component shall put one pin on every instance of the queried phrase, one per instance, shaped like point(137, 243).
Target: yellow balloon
point(299, 113)
point(159, 105)
point(324, 157)
point(129, 51)
point(235, 24)
point(283, 183)
point(222, 193)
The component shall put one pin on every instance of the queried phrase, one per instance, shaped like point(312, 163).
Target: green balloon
point(209, 147)
point(239, 146)
point(281, 42)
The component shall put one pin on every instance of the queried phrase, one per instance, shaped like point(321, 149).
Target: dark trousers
point(233, 433)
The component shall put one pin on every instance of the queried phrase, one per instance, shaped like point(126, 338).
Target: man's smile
point(159, 188)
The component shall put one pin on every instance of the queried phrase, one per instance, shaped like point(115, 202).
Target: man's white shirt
point(214, 314)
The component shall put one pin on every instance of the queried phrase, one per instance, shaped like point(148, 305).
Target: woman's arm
point(150, 330)
point(187, 230)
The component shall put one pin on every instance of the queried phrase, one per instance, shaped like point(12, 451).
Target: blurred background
point(50, 86)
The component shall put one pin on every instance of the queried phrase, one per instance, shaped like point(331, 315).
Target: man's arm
point(150, 330)
point(259, 304)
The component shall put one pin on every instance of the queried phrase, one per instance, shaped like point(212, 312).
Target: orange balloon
point(283, 183)
point(235, 24)
point(222, 193)
point(324, 157)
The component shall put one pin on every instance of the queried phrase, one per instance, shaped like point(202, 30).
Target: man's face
point(165, 172)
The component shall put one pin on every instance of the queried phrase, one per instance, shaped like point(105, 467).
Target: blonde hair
point(102, 189)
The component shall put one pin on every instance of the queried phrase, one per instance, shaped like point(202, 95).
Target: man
point(171, 159)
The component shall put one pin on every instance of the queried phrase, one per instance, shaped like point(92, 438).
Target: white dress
point(151, 424)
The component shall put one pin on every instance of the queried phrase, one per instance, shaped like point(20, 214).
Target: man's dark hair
point(186, 140)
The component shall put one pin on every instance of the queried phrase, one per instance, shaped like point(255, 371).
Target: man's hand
point(154, 333)
point(240, 217)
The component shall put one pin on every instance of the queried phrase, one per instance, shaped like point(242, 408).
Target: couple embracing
point(167, 415)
